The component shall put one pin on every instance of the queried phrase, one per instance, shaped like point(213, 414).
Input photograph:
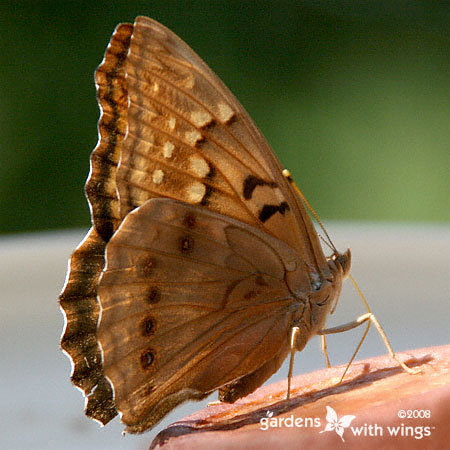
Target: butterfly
point(202, 257)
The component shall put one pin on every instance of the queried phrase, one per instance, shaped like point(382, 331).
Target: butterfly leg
point(214, 403)
point(369, 318)
point(294, 333)
point(325, 349)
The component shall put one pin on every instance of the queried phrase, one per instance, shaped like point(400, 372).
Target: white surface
point(403, 271)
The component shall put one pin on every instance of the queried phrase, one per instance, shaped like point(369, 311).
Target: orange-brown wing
point(189, 139)
point(78, 299)
point(191, 301)
point(205, 177)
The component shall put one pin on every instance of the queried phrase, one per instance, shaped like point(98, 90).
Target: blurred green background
point(353, 97)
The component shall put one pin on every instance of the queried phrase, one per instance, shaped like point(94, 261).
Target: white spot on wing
point(225, 112)
point(199, 166)
point(193, 136)
point(201, 118)
point(189, 83)
point(195, 192)
point(168, 149)
point(157, 176)
point(172, 123)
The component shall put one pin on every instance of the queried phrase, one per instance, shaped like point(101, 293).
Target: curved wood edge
point(375, 391)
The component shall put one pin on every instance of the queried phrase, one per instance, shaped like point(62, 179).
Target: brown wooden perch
point(376, 391)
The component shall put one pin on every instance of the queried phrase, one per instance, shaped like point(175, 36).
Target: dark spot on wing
point(154, 295)
point(250, 184)
point(260, 281)
point(148, 390)
point(189, 220)
point(210, 125)
point(186, 244)
point(212, 171)
point(146, 266)
point(148, 326)
point(250, 294)
point(208, 192)
point(147, 358)
point(269, 210)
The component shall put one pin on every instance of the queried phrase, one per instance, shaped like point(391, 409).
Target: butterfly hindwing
point(179, 298)
point(248, 383)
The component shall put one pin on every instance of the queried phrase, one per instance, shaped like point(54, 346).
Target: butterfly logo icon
point(336, 424)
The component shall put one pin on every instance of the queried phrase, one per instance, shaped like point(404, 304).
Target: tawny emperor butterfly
point(202, 257)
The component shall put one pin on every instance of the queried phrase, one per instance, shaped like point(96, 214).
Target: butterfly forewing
point(101, 187)
point(190, 139)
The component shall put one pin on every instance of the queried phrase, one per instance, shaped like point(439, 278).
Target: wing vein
point(173, 137)
point(252, 350)
point(207, 135)
point(172, 167)
point(191, 362)
point(181, 257)
point(196, 149)
point(195, 100)
point(163, 283)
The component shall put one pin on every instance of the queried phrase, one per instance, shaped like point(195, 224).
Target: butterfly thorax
point(312, 311)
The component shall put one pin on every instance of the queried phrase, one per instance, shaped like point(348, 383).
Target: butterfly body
point(202, 257)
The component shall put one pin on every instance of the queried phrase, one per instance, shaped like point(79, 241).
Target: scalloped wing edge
point(78, 299)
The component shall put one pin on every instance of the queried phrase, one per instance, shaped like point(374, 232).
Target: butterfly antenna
point(326, 242)
point(288, 176)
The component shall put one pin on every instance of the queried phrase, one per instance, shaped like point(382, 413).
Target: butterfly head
point(340, 264)
point(344, 260)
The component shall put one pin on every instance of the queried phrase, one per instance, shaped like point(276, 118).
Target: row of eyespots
point(148, 326)
point(147, 266)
